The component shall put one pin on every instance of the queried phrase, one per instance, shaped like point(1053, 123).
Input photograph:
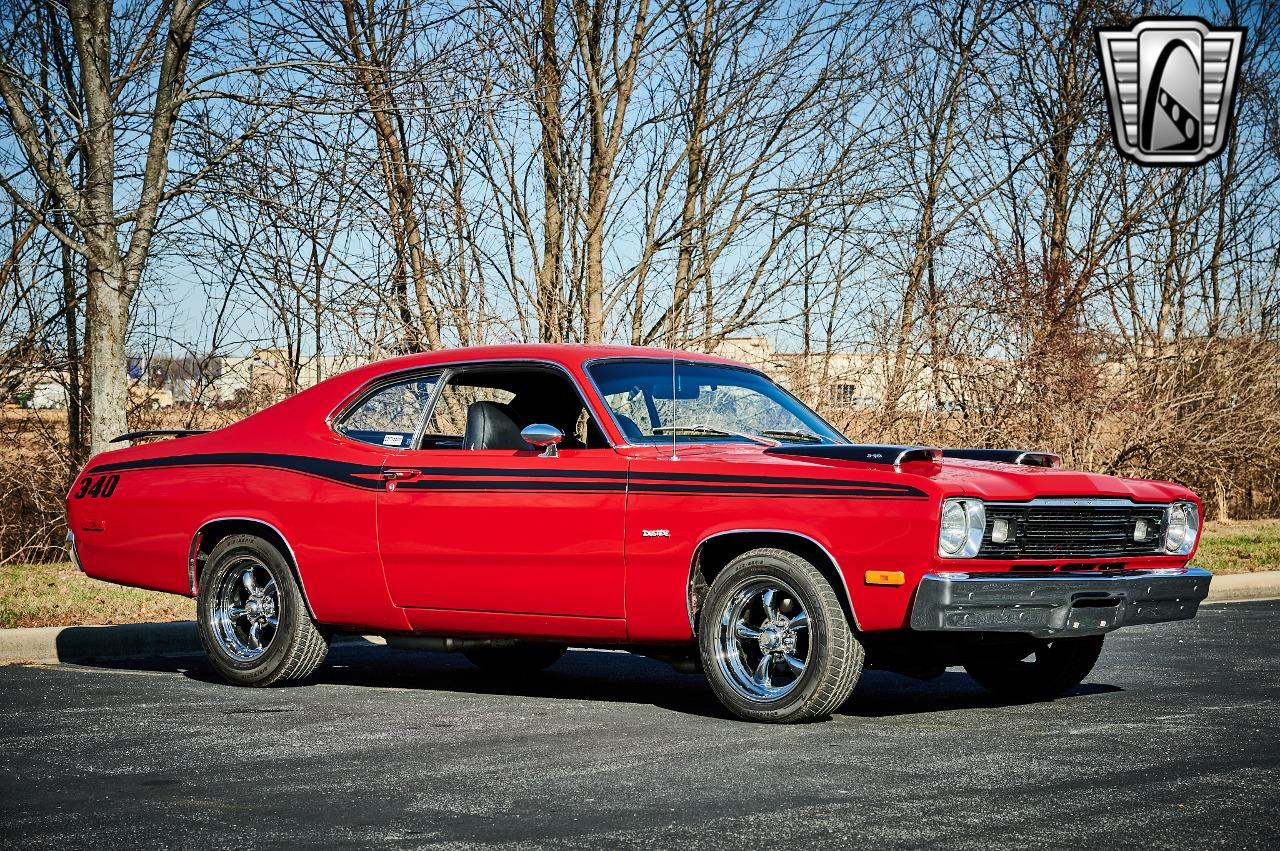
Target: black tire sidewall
point(265, 668)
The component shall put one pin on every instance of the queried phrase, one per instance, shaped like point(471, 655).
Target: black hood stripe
point(487, 478)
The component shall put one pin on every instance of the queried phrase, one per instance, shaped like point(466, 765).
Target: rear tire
point(1054, 667)
point(253, 622)
point(527, 657)
point(774, 640)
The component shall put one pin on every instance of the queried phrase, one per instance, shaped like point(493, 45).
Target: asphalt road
point(1174, 741)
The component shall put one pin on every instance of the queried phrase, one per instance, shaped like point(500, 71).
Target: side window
point(523, 394)
point(449, 419)
point(634, 412)
point(391, 415)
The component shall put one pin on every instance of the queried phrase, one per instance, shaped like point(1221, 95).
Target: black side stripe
point(448, 486)
point(342, 472)
point(369, 477)
point(717, 478)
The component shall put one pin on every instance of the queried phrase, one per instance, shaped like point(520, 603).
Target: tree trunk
point(548, 80)
point(75, 439)
point(107, 322)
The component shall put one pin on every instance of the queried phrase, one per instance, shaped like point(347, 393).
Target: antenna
point(675, 409)
point(675, 395)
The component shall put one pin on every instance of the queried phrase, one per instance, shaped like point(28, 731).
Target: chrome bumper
point(1056, 605)
point(71, 551)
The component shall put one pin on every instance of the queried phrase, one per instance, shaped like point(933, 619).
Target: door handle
point(400, 474)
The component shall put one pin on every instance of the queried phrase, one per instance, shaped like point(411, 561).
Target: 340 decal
point(97, 486)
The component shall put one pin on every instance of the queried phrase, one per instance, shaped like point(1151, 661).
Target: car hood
point(949, 477)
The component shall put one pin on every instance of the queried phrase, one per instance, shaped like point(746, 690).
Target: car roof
point(567, 354)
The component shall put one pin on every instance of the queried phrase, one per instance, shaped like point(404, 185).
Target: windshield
point(708, 404)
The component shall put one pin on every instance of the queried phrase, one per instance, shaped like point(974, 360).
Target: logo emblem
point(655, 533)
point(1170, 85)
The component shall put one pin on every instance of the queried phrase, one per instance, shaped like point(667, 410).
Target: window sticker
point(393, 440)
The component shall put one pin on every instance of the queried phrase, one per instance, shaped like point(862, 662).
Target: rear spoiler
point(158, 432)
point(1006, 456)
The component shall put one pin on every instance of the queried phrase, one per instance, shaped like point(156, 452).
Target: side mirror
point(541, 434)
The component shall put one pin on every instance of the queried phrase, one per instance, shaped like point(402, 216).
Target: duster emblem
point(1170, 85)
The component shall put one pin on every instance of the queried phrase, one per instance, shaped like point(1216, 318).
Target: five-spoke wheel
point(246, 608)
point(763, 640)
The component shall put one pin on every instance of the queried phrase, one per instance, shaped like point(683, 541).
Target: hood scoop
point(871, 454)
point(1006, 456)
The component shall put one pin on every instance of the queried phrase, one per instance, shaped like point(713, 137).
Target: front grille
point(1065, 531)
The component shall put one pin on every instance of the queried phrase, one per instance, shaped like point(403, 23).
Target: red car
point(509, 501)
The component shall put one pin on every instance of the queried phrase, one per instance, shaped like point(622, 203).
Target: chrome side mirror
point(541, 434)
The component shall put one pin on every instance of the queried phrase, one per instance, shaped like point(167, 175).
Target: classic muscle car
point(509, 501)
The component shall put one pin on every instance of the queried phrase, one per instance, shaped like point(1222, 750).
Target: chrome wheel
point(246, 609)
point(763, 640)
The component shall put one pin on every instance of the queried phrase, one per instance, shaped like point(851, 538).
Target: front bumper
point(1050, 606)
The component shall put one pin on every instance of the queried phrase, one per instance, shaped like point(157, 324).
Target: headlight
point(1181, 527)
point(960, 533)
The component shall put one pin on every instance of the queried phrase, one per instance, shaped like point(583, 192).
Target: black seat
point(489, 426)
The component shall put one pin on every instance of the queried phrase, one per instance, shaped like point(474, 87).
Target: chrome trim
point(293, 559)
point(709, 361)
point(1027, 459)
point(975, 518)
point(931, 454)
point(1195, 525)
point(446, 369)
point(71, 551)
point(1078, 502)
point(541, 434)
point(244, 610)
point(1053, 605)
point(780, 644)
point(697, 552)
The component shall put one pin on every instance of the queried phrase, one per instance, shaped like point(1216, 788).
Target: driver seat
point(489, 426)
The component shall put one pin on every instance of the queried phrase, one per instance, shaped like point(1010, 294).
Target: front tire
point(1052, 668)
point(253, 622)
point(774, 640)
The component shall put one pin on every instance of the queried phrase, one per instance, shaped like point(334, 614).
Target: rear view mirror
point(684, 389)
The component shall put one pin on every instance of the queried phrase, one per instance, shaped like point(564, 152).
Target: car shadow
point(595, 675)
point(881, 694)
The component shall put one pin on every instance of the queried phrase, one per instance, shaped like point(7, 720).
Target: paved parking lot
point(1173, 742)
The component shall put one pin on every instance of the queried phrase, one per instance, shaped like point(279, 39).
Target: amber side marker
point(886, 577)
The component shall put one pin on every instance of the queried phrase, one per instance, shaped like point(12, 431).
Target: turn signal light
point(886, 577)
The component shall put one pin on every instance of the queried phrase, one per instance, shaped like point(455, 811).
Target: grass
point(60, 595)
point(1241, 546)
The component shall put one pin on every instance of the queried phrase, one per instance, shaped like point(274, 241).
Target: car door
point(502, 530)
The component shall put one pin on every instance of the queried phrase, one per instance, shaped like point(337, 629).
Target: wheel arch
point(714, 552)
point(213, 531)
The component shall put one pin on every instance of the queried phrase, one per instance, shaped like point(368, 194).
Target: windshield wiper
point(802, 436)
point(711, 430)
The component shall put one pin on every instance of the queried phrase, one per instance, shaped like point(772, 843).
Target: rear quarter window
point(391, 415)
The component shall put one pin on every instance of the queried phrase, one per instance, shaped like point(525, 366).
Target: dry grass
point(60, 595)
